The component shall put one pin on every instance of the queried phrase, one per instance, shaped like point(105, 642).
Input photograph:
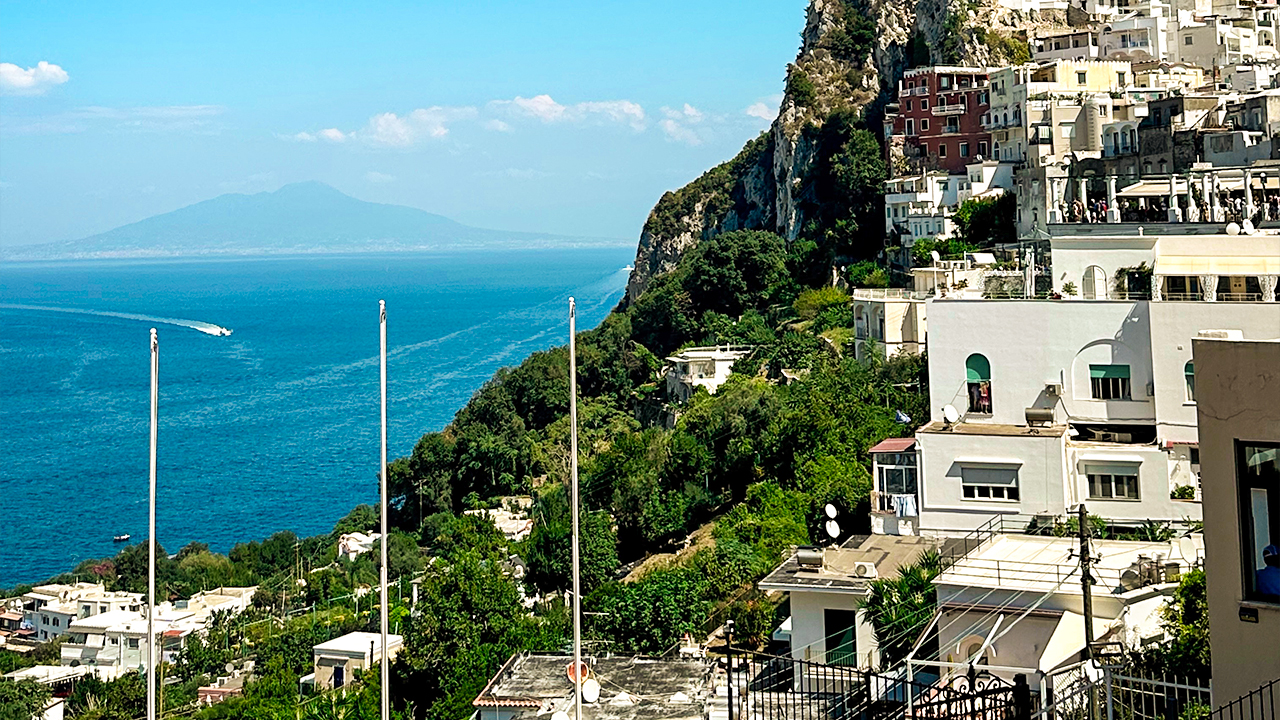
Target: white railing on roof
point(948, 109)
point(890, 294)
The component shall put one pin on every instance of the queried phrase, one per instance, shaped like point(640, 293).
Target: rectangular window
point(133, 643)
point(964, 149)
point(924, 125)
point(1110, 382)
point(924, 104)
point(997, 483)
point(1258, 475)
point(982, 148)
point(1120, 79)
point(909, 105)
point(911, 127)
point(841, 636)
point(1186, 40)
point(942, 152)
point(1108, 482)
point(1081, 78)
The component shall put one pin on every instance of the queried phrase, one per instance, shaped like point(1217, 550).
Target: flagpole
point(386, 669)
point(573, 472)
point(151, 531)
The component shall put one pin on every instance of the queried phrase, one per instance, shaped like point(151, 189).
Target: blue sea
point(274, 427)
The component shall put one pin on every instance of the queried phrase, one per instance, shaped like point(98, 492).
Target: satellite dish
point(559, 715)
point(950, 413)
point(1246, 228)
point(936, 257)
point(1130, 580)
point(229, 667)
point(833, 529)
point(1187, 548)
point(830, 510)
point(1233, 229)
point(590, 690)
point(583, 671)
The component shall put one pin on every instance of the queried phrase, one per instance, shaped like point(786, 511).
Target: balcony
point(890, 294)
point(920, 91)
point(949, 109)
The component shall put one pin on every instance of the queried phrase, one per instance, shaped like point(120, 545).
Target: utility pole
point(1086, 580)
point(385, 676)
point(1086, 585)
point(151, 531)
point(573, 472)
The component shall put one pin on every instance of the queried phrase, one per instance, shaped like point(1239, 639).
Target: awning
point(1109, 371)
point(1152, 188)
point(1217, 265)
point(986, 461)
point(1067, 640)
point(893, 445)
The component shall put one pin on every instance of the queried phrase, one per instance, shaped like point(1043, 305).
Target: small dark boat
point(121, 538)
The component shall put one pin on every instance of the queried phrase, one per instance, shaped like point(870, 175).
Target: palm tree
point(899, 608)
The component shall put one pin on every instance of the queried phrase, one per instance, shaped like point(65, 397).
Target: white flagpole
point(151, 531)
point(386, 668)
point(573, 472)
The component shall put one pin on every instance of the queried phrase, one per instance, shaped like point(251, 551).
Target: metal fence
point(1257, 705)
point(768, 687)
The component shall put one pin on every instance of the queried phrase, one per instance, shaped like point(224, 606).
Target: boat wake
point(204, 327)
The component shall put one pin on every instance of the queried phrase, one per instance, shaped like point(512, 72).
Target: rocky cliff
point(852, 54)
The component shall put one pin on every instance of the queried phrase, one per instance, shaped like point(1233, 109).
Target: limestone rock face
point(763, 187)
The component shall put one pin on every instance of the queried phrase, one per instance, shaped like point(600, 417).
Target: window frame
point(1103, 477)
point(1008, 492)
point(1248, 533)
point(974, 379)
point(1189, 380)
point(1118, 387)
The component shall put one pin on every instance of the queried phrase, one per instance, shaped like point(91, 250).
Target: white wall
point(1072, 256)
point(808, 634)
point(1173, 325)
point(1153, 465)
point(942, 455)
point(1033, 342)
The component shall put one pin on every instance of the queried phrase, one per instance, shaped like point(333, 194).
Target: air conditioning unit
point(1117, 437)
point(1053, 389)
point(864, 570)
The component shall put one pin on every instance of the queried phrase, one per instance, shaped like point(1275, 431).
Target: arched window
point(978, 378)
point(1189, 372)
point(1093, 286)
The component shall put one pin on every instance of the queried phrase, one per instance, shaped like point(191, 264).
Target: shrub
point(812, 302)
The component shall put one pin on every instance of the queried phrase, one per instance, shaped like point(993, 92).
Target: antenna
point(950, 414)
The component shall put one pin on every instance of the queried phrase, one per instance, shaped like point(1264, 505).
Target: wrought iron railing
point(769, 687)
point(1257, 705)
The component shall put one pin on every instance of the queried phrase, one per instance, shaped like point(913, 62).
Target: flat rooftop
point(1043, 564)
point(887, 552)
point(632, 688)
point(357, 643)
point(992, 429)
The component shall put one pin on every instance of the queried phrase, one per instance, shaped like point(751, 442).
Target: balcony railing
point(949, 109)
point(890, 294)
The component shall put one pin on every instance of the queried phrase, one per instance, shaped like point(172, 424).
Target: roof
point(994, 429)
point(894, 445)
point(887, 552)
point(631, 687)
point(48, 674)
point(357, 643)
point(720, 352)
point(1038, 564)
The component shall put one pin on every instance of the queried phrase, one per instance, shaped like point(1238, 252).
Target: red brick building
point(938, 117)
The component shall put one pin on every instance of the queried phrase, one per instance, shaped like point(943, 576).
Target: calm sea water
point(274, 427)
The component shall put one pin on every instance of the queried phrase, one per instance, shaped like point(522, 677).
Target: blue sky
point(549, 116)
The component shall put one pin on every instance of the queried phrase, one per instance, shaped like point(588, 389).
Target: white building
point(353, 545)
point(337, 660)
point(49, 610)
point(827, 587)
point(1058, 402)
point(920, 206)
point(115, 641)
point(1016, 601)
point(705, 367)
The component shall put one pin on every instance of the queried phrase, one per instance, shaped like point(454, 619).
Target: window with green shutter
point(1110, 382)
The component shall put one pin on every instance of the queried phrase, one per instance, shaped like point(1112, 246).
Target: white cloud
point(764, 111)
point(393, 130)
point(496, 125)
point(300, 137)
point(679, 133)
point(374, 176)
point(676, 124)
point(544, 108)
point(32, 81)
point(332, 135)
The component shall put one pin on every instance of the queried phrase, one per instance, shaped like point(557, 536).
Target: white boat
point(121, 538)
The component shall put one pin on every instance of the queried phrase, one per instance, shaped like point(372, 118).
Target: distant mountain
point(307, 217)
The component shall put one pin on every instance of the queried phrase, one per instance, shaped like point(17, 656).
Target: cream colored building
point(337, 660)
point(705, 367)
point(889, 321)
point(1238, 396)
